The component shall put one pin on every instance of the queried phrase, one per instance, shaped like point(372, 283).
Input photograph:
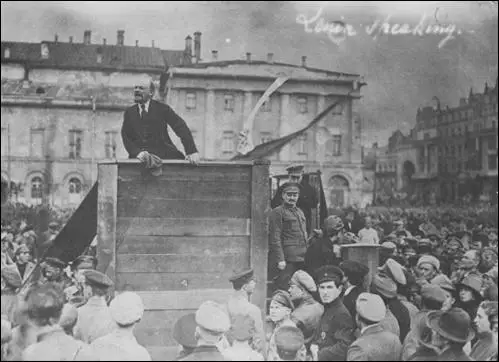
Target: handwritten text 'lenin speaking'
point(338, 31)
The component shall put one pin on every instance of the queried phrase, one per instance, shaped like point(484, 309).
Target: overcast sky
point(402, 71)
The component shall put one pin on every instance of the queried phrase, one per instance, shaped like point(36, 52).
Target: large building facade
point(450, 155)
point(62, 107)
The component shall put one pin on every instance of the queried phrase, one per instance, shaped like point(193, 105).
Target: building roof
point(86, 56)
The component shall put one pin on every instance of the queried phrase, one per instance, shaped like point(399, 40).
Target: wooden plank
point(185, 189)
point(172, 281)
point(106, 226)
point(183, 227)
point(260, 202)
point(188, 208)
point(164, 263)
point(182, 244)
point(219, 173)
point(156, 327)
point(183, 300)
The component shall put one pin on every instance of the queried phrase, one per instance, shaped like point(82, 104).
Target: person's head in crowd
point(424, 247)
point(301, 286)
point(52, 269)
point(289, 341)
point(399, 225)
point(385, 287)
point(212, 323)
point(295, 173)
point(243, 329)
point(281, 306)
point(489, 258)
point(371, 309)
point(447, 286)
point(68, 319)
point(22, 255)
point(291, 193)
point(184, 333)
point(434, 240)
point(96, 284)
point(44, 304)
point(350, 215)
point(334, 227)
point(433, 297)
point(410, 255)
point(127, 310)
point(469, 289)
point(453, 246)
point(451, 329)
point(470, 260)
point(479, 241)
point(486, 320)
point(330, 283)
point(428, 267)
point(355, 273)
point(244, 281)
point(393, 270)
point(493, 238)
point(368, 222)
point(81, 264)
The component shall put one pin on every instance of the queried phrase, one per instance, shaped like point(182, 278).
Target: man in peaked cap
point(308, 197)
point(288, 236)
point(355, 275)
point(308, 312)
point(335, 332)
point(212, 322)
point(374, 343)
point(127, 310)
point(53, 272)
point(244, 283)
point(289, 341)
point(94, 318)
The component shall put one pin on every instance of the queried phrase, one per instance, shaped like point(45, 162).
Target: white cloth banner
point(245, 143)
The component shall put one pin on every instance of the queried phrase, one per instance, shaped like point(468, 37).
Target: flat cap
point(295, 167)
point(433, 292)
point(94, 277)
point(211, 317)
point(398, 222)
point(291, 186)
point(329, 273)
point(242, 276)
point(472, 281)
point(89, 262)
point(384, 286)
point(389, 245)
point(289, 340)
point(424, 242)
point(371, 307)
point(184, 331)
point(354, 269)
point(22, 249)
point(304, 280)
point(394, 271)
point(429, 259)
point(243, 327)
point(127, 308)
point(55, 262)
point(443, 282)
point(284, 298)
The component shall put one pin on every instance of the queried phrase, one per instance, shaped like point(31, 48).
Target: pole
point(93, 143)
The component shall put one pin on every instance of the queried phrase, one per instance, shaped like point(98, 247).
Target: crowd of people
point(432, 296)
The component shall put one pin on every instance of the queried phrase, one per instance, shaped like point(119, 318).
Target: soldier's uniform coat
point(117, 346)
point(375, 344)
point(94, 320)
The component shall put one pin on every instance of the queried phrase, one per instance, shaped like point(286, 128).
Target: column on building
point(211, 130)
point(285, 154)
point(321, 148)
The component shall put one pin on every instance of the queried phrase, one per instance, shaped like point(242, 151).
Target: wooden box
point(175, 239)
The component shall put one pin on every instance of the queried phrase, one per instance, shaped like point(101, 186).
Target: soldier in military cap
point(239, 303)
point(355, 276)
point(288, 236)
point(335, 332)
point(307, 199)
point(53, 272)
point(94, 318)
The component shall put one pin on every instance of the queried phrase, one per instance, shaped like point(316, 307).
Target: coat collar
point(372, 329)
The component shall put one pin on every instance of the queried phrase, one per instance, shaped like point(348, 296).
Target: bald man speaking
point(145, 132)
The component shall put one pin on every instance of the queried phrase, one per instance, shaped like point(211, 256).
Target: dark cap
point(384, 286)
point(354, 269)
point(84, 259)
point(184, 331)
point(242, 277)
point(283, 297)
point(289, 340)
point(295, 168)
point(55, 262)
point(96, 278)
point(53, 225)
point(329, 273)
point(291, 186)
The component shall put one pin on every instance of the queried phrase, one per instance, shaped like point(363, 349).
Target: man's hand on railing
point(193, 158)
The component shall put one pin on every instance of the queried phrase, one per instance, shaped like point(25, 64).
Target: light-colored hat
point(289, 340)
point(211, 317)
point(304, 280)
point(371, 307)
point(429, 259)
point(443, 282)
point(433, 292)
point(127, 308)
point(384, 286)
point(394, 271)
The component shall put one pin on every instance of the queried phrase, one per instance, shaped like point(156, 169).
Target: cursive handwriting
point(338, 31)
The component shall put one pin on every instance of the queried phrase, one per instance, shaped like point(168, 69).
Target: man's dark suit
point(151, 133)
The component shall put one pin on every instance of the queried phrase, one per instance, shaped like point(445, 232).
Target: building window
point(492, 162)
point(37, 188)
point(336, 145)
point(190, 100)
point(111, 144)
point(37, 143)
point(45, 51)
point(228, 142)
point(302, 144)
point(75, 143)
point(265, 137)
point(75, 190)
point(303, 105)
point(229, 102)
